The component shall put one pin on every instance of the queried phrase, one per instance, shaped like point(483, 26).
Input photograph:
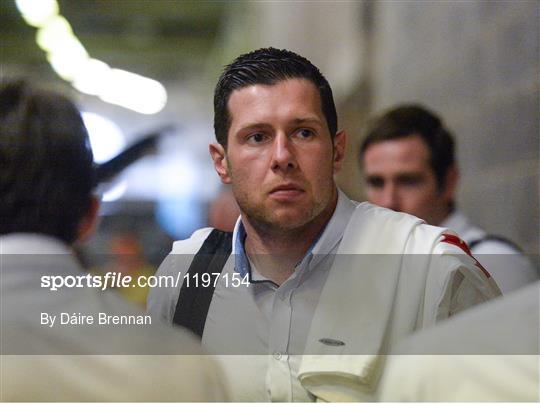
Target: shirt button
point(277, 355)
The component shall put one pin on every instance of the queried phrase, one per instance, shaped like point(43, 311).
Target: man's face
point(399, 177)
point(280, 158)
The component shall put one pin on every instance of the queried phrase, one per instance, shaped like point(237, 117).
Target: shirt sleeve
point(465, 282)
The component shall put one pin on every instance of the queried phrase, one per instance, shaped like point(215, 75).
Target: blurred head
point(47, 173)
point(268, 66)
point(408, 161)
point(276, 127)
point(223, 211)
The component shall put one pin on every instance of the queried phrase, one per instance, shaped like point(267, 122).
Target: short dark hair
point(413, 119)
point(47, 173)
point(268, 66)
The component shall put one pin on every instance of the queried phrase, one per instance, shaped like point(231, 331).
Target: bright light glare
point(53, 34)
point(65, 53)
point(37, 12)
point(115, 193)
point(66, 65)
point(91, 76)
point(133, 91)
point(106, 138)
point(71, 61)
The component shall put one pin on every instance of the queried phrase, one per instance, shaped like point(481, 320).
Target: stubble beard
point(266, 221)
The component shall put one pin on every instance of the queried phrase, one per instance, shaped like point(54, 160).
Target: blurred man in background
point(223, 211)
point(46, 183)
point(409, 165)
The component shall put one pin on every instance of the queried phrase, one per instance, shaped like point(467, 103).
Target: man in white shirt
point(409, 166)
point(311, 288)
point(55, 346)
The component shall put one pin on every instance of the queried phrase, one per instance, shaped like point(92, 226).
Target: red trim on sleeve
point(455, 240)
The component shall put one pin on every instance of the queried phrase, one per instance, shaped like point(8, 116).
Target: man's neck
point(276, 252)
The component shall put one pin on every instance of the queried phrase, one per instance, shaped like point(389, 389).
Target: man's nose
point(283, 157)
point(390, 198)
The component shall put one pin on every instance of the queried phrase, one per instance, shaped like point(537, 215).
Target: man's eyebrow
point(411, 174)
point(300, 121)
point(296, 121)
point(254, 125)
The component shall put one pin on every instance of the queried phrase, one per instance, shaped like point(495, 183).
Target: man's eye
point(256, 138)
point(375, 182)
point(305, 133)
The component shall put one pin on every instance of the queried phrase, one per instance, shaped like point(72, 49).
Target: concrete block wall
point(477, 63)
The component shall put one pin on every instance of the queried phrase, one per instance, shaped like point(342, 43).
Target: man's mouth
point(286, 192)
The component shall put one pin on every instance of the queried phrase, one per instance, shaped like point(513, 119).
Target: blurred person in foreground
point(310, 289)
point(46, 183)
point(489, 353)
point(409, 166)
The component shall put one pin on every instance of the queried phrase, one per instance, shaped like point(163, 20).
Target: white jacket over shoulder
point(373, 277)
point(415, 278)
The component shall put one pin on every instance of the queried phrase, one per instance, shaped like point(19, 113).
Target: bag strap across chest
point(194, 299)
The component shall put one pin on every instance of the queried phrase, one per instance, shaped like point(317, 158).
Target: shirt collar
point(324, 244)
point(32, 244)
point(27, 253)
point(241, 262)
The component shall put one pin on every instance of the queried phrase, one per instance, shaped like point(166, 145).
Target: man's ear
point(89, 222)
point(340, 144)
point(221, 165)
point(451, 180)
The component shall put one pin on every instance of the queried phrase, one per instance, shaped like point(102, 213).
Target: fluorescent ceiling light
point(133, 91)
point(70, 60)
point(91, 77)
point(54, 34)
point(37, 13)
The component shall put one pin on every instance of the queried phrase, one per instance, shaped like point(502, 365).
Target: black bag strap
point(491, 237)
point(194, 301)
